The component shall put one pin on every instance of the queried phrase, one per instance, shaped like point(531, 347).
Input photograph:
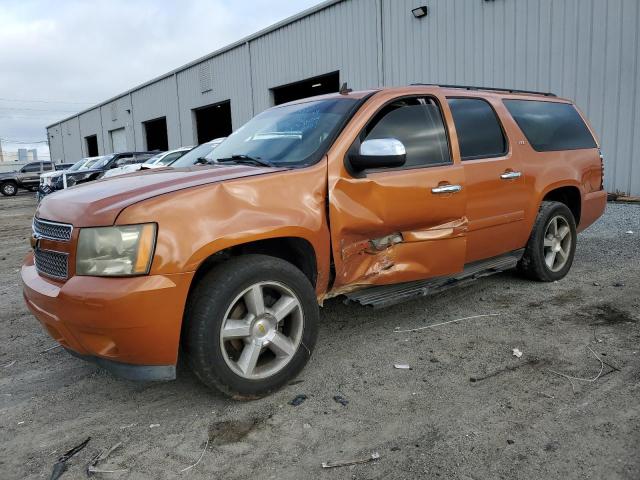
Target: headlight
point(116, 251)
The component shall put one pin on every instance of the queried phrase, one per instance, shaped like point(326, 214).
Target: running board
point(386, 295)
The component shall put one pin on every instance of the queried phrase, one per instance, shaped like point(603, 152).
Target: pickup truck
point(27, 178)
point(376, 196)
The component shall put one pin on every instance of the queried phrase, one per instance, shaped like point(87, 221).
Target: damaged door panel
point(398, 224)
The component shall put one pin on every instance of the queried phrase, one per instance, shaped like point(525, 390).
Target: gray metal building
point(587, 50)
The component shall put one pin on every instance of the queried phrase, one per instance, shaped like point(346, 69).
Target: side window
point(418, 124)
point(31, 167)
point(551, 126)
point(170, 158)
point(479, 132)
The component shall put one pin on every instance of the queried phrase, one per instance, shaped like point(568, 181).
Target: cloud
point(85, 52)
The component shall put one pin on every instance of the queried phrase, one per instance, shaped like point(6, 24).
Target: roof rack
point(507, 90)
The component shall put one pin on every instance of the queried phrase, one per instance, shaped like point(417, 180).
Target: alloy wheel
point(557, 243)
point(262, 330)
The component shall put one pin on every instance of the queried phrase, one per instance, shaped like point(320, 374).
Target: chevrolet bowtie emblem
point(35, 242)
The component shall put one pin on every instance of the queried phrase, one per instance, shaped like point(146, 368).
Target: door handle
point(447, 189)
point(510, 175)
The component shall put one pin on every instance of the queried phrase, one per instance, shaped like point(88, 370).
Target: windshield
point(99, 162)
point(78, 165)
point(154, 159)
point(169, 158)
point(292, 135)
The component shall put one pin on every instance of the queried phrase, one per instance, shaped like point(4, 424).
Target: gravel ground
point(517, 420)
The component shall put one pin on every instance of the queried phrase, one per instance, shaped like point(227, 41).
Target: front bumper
point(126, 325)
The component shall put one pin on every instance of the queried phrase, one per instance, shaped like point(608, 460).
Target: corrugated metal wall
point(70, 132)
point(152, 102)
point(90, 125)
point(587, 50)
point(115, 114)
point(230, 80)
point(342, 38)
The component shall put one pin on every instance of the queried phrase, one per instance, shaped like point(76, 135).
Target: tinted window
point(417, 123)
point(551, 126)
point(479, 132)
point(34, 167)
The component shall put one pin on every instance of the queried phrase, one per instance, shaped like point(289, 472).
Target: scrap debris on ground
point(93, 468)
point(371, 458)
point(61, 465)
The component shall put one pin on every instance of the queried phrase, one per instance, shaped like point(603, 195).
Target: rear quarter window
point(551, 126)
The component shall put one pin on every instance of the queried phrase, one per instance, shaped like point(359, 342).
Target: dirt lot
point(517, 420)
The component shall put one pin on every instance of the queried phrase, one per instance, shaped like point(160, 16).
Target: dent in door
point(382, 243)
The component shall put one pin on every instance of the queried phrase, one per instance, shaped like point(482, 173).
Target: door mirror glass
point(379, 153)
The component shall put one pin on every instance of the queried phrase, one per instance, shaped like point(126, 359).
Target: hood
point(114, 172)
point(99, 203)
point(55, 173)
point(12, 173)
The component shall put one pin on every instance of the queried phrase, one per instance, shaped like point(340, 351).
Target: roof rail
point(507, 90)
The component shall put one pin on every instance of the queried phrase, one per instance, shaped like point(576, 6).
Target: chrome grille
point(52, 230)
point(51, 264)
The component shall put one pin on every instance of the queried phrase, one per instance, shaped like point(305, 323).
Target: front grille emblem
point(35, 241)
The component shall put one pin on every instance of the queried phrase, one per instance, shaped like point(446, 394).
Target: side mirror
point(379, 153)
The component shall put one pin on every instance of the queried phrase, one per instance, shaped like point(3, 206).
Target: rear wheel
point(251, 325)
point(551, 247)
point(8, 189)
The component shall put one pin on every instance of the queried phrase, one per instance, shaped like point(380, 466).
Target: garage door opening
point(155, 132)
point(118, 140)
point(92, 145)
point(213, 121)
point(321, 85)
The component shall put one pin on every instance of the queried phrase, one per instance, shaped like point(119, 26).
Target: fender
point(201, 221)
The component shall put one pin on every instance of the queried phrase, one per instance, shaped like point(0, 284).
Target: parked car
point(378, 196)
point(27, 178)
point(157, 161)
point(48, 179)
point(93, 169)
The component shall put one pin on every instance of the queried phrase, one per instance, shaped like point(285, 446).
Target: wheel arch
point(568, 194)
point(296, 250)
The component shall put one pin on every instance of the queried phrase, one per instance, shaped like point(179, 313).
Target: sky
point(59, 57)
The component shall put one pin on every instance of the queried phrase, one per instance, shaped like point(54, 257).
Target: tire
point(8, 189)
point(281, 338)
point(539, 261)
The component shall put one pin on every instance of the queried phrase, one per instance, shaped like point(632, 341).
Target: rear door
point(495, 183)
point(395, 225)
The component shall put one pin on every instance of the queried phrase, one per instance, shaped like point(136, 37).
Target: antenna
point(345, 90)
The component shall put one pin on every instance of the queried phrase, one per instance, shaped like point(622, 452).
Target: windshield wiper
point(202, 161)
point(246, 159)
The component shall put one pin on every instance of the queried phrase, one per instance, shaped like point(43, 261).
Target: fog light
point(420, 12)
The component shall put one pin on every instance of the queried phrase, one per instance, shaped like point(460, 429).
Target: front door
point(397, 224)
point(30, 175)
point(495, 184)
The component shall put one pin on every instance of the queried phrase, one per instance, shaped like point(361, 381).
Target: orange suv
point(378, 196)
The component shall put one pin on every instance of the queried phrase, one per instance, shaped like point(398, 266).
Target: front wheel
point(251, 325)
point(549, 253)
point(8, 189)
